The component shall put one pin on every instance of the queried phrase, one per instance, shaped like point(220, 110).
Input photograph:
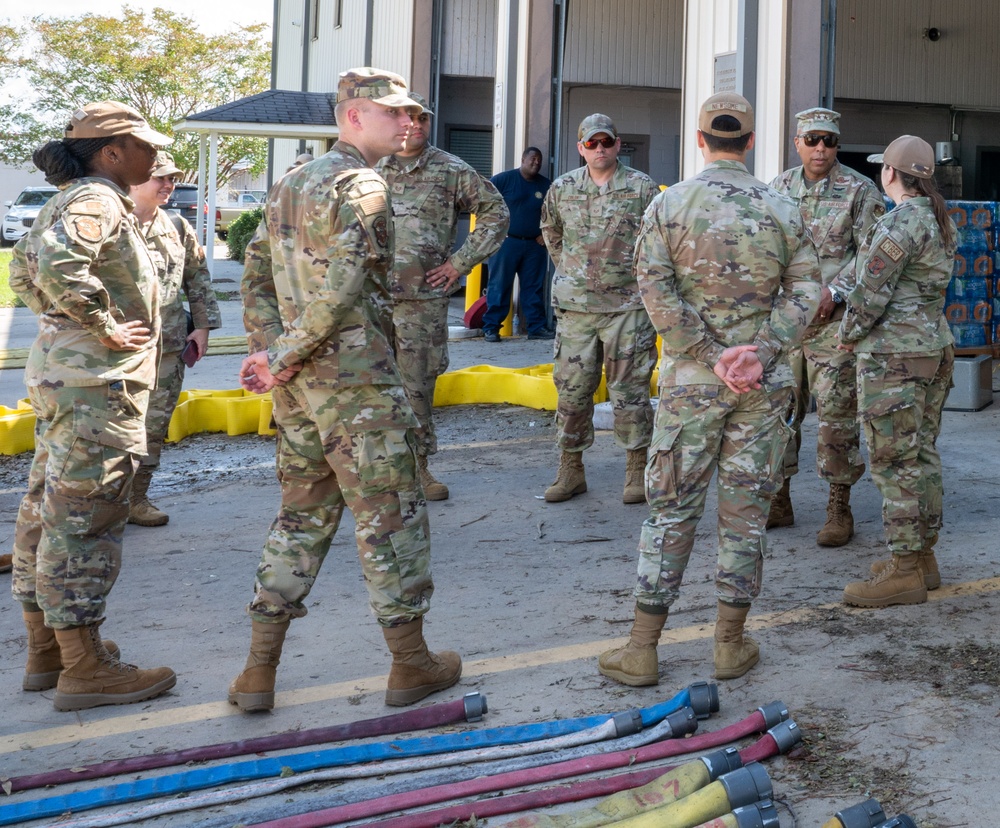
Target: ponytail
point(927, 188)
point(62, 161)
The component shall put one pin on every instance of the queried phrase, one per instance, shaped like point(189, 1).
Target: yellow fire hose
point(759, 815)
point(865, 814)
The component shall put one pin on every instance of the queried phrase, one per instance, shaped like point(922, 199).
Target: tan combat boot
point(417, 672)
point(899, 582)
point(839, 526)
point(781, 513)
point(253, 689)
point(735, 653)
point(570, 479)
point(636, 664)
point(44, 660)
point(635, 476)
point(140, 511)
point(926, 563)
point(91, 677)
point(6, 563)
point(433, 489)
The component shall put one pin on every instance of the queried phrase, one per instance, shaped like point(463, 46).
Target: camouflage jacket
point(316, 276)
point(838, 212)
point(84, 267)
point(590, 233)
point(903, 271)
point(181, 264)
point(722, 260)
point(429, 193)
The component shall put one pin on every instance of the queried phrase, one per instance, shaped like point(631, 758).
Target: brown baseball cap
point(107, 119)
point(908, 154)
point(165, 165)
point(594, 125)
point(378, 85)
point(726, 103)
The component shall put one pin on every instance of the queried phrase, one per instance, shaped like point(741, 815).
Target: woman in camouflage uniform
point(85, 270)
point(905, 356)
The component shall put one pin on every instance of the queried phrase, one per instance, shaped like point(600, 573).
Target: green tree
point(159, 62)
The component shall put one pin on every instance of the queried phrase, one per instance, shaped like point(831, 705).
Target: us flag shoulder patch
point(891, 249)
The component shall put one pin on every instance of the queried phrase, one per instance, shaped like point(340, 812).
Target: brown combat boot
point(635, 476)
point(839, 526)
point(636, 664)
point(570, 479)
point(6, 563)
point(91, 677)
point(140, 511)
point(926, 563)
point(735, 653)
point(417, 672)
point(433, 489)
point(899, 582)
point(781, 513)
point(44, 660)
point(253, 689)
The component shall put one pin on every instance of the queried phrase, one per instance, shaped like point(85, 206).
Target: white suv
point(23, 211)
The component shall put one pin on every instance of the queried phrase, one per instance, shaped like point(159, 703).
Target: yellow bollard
point(672, 786)
point(474, 281)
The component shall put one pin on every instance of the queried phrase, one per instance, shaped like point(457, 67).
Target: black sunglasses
point(811, 139)
point(607, 142)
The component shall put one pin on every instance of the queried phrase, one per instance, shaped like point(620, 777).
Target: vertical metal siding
point(392, 36)
point(470, 38)
point(288, 71)
point(336, 49)
point(634, 43)
point(882, 53)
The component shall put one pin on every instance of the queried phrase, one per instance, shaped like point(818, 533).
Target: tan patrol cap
point(378, 85)
point(164, 165)
point(594, 125)
point(818, 119)
point(908, 154)
point(107, 119)
point(726, 103)
point(420, 99)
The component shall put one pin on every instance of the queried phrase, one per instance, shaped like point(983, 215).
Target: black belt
point(522, 238)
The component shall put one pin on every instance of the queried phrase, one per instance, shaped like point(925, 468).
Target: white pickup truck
point(227, 213)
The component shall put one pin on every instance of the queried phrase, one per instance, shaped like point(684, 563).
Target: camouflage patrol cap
point(908, 154)
point(594, 125)
point(818, 119)
point(726, 103)
point(107, 119)
point(165, 165)
point(420, 99)
point(377, 85)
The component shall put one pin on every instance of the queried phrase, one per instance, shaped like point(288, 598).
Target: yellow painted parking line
point(192, 714)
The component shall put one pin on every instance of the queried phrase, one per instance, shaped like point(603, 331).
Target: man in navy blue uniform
point(523, 251)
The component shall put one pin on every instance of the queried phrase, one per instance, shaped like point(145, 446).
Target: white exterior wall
point(337, 49)
point(392, 36)
point(469, 38)
point(712, 29)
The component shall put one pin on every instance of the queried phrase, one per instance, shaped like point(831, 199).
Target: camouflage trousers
point(421, 345)
point(701, 429)
point(624, 344)
point(829, 375)
point(901, 397)
point(162, 402)
point(350, 447)
point(68, 535)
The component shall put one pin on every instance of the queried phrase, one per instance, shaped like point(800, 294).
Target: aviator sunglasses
point(606, 142)
point(811, 139)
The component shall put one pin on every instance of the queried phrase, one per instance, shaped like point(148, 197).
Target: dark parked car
point(184, 200)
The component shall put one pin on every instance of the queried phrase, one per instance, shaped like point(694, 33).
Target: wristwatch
point(834, 295)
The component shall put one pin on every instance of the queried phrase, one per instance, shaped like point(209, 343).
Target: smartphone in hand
point(189, 356)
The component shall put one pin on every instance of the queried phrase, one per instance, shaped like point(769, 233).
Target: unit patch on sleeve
point(876, 265)
point(891, 249)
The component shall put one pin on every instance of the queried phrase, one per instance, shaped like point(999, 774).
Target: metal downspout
point(830, 69)
point(437, 36)
point(557, 83)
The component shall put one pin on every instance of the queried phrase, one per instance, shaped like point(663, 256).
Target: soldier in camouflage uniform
point(905, 351)
point(317, 310)
point(838, 206)
point(180, 262)
point(590, 218)
point(730, 279)
point(84, 268)
point(430, 189)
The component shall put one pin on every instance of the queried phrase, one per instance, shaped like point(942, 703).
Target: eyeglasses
point(811, 139)
point(607, 142)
